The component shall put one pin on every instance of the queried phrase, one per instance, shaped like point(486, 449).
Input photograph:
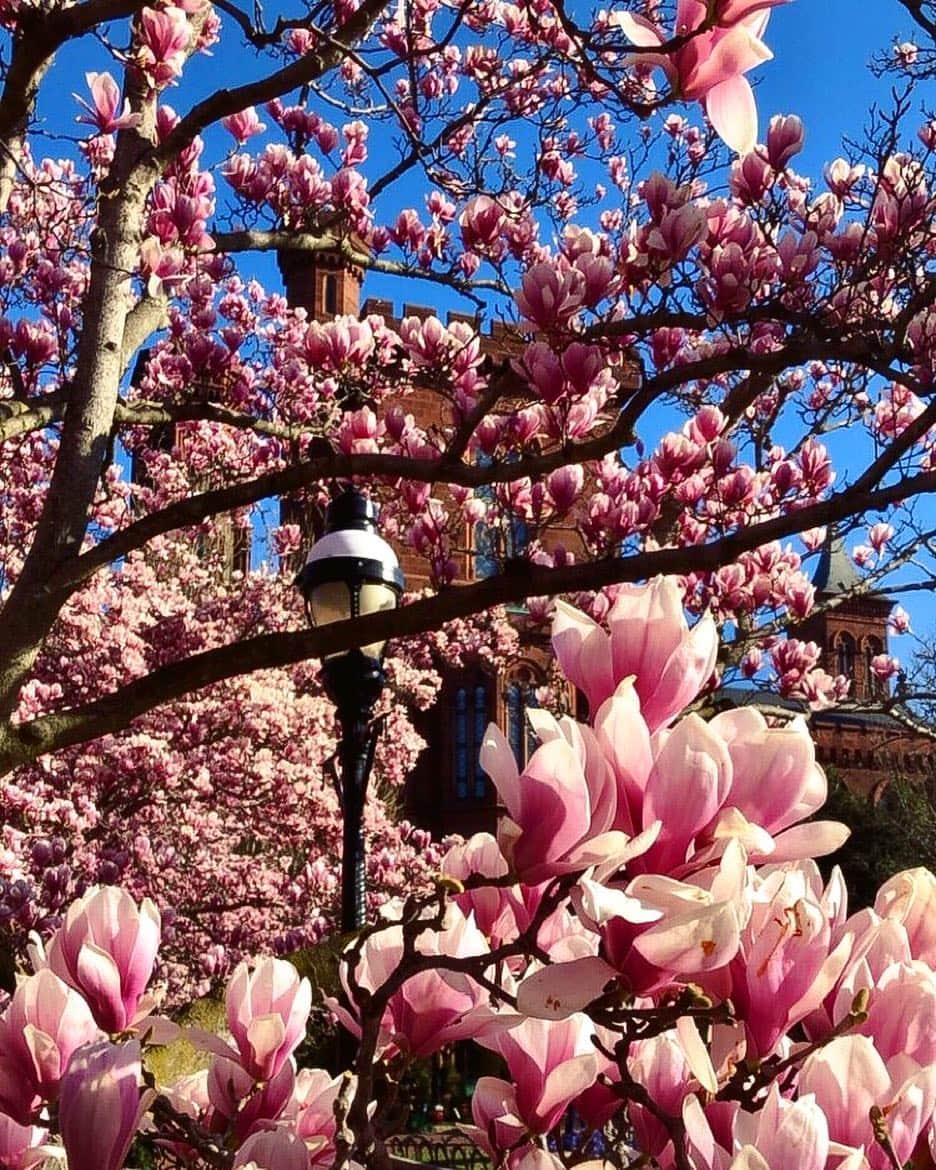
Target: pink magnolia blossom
point(751, 178)
point(44, 1024)
point(710, 67)
point(543, 369)
point(561, 989)
point(656, 929)
point(164, 36)
point(245, 1105)
point(550, 1063)
point(788, 1135)
point(272, 1149)
point(106, 949)
point(481, 223)
point(873, 945)
point(243, 125)
point(314, 1098)
point(549, 296)
point(562, 808)
point(899, 620)
point(660, 1066)
point(100, 1105)
point(102, 113)
point(884, 666)
point(649, 639)
point(784, 948)
point(910, 899)
point(21, 1146)
point(849, 1078)
point(565, 485)
point(495, 908)
point(267, 1010)
point(497, 1126)
point(785, 138)
point(688, 784)
point(902, 1013)
point(775, 778)
point(433, 1008)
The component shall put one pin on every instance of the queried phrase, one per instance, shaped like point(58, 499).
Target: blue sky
point(820, 72)
point(821, 50)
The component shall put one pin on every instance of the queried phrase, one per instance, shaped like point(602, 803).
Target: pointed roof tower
point(836, 573)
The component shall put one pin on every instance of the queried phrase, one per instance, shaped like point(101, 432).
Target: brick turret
point(323, 283)
point(852, 627)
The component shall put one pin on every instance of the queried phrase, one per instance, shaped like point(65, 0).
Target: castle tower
point(323, 283)
point(852, 628)
point(326, 285)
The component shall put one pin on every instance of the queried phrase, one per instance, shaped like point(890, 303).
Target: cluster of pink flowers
point(295, 187)
point(710, 66)
point(645, 854)
point(72, 1038)
point(648, 939)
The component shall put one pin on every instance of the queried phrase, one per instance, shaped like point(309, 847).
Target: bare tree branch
point(283, 239)
point(444, 469)
point(41, 34)
point(27, 741)
point(148, 316)
point(22, 418)
point(300, 72)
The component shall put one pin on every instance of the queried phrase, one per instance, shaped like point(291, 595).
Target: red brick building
point(449, 791)
point(865, 748)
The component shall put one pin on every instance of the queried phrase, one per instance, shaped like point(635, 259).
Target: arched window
point(845, 653)
point(505, 538)
point(876, 687)
point(331, 293)
point(471, 714)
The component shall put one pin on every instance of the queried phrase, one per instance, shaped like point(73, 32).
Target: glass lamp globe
point(351, 571)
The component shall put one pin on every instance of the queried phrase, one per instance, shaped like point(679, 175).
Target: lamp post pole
point(351, 572)
point(354, 683)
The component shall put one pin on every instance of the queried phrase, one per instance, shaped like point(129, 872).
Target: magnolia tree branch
point(300, 72)
point(148, 316)
point(445, 469)
point(22, 418)
point(924, 14)
point(23, 742)
point(282, 239)
point(41, 36)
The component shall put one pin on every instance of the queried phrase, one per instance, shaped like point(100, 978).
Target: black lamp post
point(351, 572)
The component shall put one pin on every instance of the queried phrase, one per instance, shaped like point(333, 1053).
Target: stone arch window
point(519, 697)
point(330, 293)
point(845, 654)
point(871, 648)
point(470, 707)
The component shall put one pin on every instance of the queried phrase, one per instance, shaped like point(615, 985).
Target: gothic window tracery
point(871, 649)
point(470, 715)
point(331, 293)
point(845, 654)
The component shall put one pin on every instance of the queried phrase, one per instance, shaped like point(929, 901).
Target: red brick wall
point(865, 755)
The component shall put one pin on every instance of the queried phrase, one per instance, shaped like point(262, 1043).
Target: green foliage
point(895, 832)
point(178, 1059)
